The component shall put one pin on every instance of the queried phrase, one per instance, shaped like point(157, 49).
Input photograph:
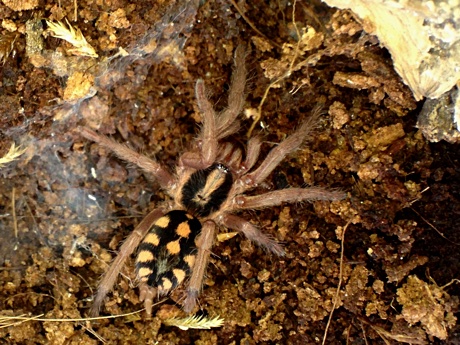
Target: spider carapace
point(206, 191)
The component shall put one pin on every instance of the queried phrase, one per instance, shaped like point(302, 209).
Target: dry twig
point(336, 298)
point(13, 207)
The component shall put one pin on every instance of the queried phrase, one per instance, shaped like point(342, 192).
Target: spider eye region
point(207, 189)
point(167, 254)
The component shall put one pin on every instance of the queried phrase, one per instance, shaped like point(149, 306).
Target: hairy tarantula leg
point(204, 245)
point(209, 139)
point(252, 155)
point(164, 177)
point(231, 155)
point(235, 96)
point(289, 195)
point(130, 244)
point(146, 295)
point(229, 130)
point(191, 160)
point(278, 153)
point(252, 233)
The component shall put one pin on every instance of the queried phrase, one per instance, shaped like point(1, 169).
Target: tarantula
point(207, 189)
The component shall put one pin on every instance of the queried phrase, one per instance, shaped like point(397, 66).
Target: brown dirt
point(74, 202)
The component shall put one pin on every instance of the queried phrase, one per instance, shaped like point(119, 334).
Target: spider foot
point(146, 295)
point(190, 300)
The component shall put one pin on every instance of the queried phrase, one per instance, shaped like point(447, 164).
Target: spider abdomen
point(167, 254)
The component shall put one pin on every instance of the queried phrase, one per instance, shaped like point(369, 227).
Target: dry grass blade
point(8, 321)
point(195, 322)
point(72, 35)
point(7, 45)
point(12, 154)
point(12, 320)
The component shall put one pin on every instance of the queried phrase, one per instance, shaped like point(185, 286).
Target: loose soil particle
point(75, 202)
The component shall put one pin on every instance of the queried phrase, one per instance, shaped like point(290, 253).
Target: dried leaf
point(7, 45)
point(195, 322)
point(73, 36)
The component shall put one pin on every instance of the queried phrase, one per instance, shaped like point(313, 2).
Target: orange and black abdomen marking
point(167, 254)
